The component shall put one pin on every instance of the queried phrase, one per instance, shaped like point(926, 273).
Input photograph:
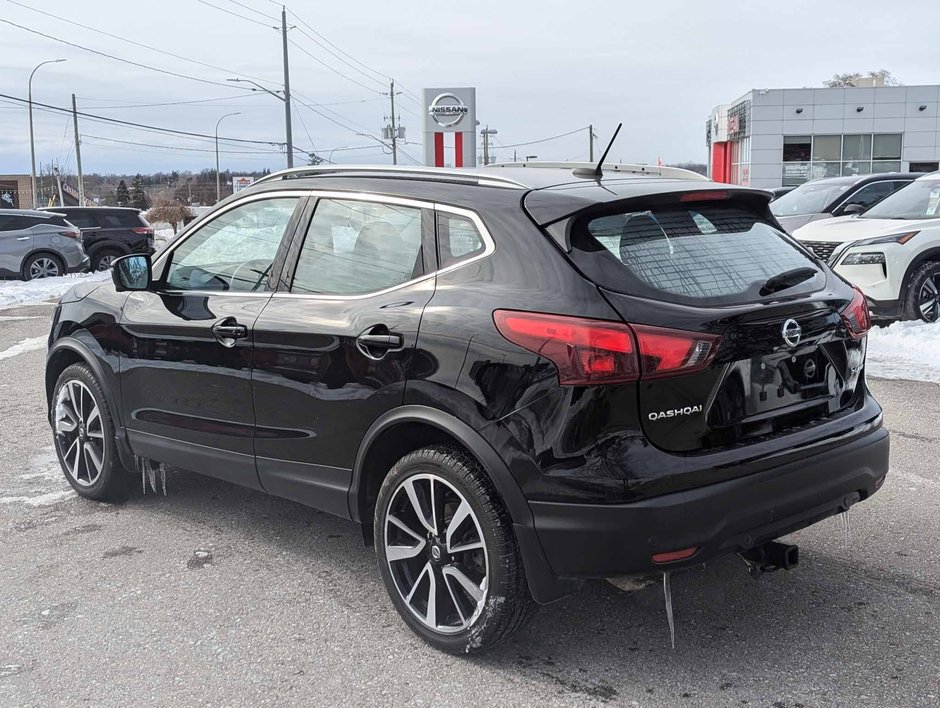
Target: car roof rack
point(579, 169)
point(421, 173)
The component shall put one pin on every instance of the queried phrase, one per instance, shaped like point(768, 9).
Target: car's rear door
point(740, 332)
point(15, 242)
point(335, 345)
point(186, 349)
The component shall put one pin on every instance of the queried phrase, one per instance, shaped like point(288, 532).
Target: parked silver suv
point(38, 244)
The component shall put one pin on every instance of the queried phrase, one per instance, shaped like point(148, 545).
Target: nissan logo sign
point(447, 110)
point(791, 332)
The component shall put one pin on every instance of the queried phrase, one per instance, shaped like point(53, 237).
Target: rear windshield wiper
point(787, 280)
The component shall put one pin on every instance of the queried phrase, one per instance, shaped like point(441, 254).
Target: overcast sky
point(541, 68)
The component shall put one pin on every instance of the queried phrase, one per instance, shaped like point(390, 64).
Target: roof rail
point(428, 173)
point(626, 168)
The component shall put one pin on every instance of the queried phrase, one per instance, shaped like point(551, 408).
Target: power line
point(545, 140)
point(333, 69)
point(337, 56)
point(179, 148)
point(135, 43)
point(170, 103)
point(111, 56)
point(234, 14)
point(251, 9)
point(142, 126)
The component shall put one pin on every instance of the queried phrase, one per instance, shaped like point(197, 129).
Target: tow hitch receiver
point(769, 557)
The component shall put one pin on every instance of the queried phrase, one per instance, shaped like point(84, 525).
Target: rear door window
point(701, 254)
point(82, 219)
point(458, 239)
point(118, 219)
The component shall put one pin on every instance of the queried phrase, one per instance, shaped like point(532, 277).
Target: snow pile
point(17, 292)
point(905, 350)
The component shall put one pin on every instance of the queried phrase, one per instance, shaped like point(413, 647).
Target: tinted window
point(117, 219)
point(457, 238)
point(233, 251)
point(357, 247)
point(872, 193)
point(20, 223)
point(7, 223)
point(82, 219)
point(711, 253)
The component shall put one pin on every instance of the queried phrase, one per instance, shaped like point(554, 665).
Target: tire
point(922, 300)
point(84, 440)
point(482, 597)
point(102, 259)
point(43, 265)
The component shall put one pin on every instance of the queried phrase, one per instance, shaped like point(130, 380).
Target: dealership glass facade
point(807, 157)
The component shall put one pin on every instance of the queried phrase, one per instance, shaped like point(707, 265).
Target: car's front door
point(334, 347)
point(186, 367)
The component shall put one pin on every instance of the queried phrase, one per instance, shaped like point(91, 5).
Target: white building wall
point(825, 111)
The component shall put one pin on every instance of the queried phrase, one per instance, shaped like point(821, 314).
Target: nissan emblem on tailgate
point(791, 332)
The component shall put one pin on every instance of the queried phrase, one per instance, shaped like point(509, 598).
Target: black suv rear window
point(697, 253)
point(117, 219)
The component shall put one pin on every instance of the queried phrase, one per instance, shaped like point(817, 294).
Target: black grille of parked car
point(823, 249)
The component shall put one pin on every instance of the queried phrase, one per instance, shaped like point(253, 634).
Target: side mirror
point(850, 209)
point(133, 272)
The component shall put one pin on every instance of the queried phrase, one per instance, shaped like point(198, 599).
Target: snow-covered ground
point(905, 350)
point(17, 292)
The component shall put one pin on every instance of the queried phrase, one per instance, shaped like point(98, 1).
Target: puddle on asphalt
point(40, 483)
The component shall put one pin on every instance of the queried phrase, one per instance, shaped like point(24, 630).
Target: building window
point(807, 157)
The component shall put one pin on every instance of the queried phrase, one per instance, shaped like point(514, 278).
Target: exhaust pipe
point(770, 556)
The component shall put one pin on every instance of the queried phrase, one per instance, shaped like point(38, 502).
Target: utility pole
point(287, 127)
point(391, 94)
point(591, 139)
point(78, 155)
point(486, 133)
point(58, 181)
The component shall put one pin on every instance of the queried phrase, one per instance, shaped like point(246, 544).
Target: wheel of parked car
point(42, 265)
point(447, 552)
point(84, 436)
point(103, 259)
point(922, 300)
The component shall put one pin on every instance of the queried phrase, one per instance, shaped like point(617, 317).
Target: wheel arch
point(42, 250)
point(926, 256)
point(67, 351)
point(408, 428)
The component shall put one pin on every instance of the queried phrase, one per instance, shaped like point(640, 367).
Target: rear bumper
point(593, 540)
point(80, 267)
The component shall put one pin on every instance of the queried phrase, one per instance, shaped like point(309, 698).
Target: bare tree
point(851, 80)
point(167, 209)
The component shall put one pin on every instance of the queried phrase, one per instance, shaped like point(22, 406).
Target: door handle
point(377, 341)
point(227, 331)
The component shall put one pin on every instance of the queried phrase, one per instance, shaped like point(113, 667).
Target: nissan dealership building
point(784, 137)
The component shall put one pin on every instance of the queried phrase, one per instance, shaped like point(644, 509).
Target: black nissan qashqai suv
point(512, 378)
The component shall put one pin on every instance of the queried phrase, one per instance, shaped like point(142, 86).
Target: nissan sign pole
point(450, 111)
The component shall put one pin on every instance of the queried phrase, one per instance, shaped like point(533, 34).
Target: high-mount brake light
point(856, 316)
point(709, 196)
point(588, 352)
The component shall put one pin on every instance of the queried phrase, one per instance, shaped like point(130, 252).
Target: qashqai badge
point(791, 332)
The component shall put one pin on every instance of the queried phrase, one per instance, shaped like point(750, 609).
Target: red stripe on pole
point(438, 149)
point(458, 149)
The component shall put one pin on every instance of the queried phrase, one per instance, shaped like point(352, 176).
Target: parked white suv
point(891, 252)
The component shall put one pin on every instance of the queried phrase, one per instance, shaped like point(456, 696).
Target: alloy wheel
point(928, 299)
point(79, 432)
point(43, 267)
point(104, 263)
point(436, 553)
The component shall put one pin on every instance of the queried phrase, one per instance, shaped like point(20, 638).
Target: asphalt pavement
point(218, 595)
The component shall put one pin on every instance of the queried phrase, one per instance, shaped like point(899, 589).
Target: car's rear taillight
point(584, 351)
point(143, 230)
point(667, 352)
point(855, 315)
point(587, 351)
point(71, 234)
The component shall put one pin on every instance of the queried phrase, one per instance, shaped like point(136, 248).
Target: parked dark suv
point(109, 232)
point(511, 379)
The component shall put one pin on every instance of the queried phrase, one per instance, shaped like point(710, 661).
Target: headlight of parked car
point(864, 259)
point(893, 238)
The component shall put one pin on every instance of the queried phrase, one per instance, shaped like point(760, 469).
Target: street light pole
point(32, 144)
point(218, 178)
point(280, 96)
